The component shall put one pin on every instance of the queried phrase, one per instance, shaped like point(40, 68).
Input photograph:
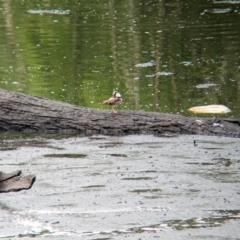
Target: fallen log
point(21, 112)
point(13, 182)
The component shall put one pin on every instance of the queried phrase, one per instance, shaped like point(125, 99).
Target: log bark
point(13, 182)
point(21, 112)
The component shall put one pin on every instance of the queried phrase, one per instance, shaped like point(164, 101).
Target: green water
point(154, 52)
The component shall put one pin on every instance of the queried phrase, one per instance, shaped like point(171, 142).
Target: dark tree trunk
point(29, 113)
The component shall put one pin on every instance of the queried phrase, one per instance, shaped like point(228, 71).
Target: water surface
point(155, 53)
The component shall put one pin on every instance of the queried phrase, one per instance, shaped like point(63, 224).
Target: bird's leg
point(114, 110)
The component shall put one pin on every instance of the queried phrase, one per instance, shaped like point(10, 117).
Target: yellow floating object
point(210, 109)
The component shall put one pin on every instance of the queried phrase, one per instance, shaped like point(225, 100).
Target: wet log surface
point(21, 112)
point(13, 182)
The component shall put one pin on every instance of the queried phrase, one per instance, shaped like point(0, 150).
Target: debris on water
point(49, 11)
point(227, 1)
point(164, 73)
point(217, 11)
point(147, 64)
point(206, 85)
point(150, 75)
point(186, 63)
point(210, 109)
point(195, 39)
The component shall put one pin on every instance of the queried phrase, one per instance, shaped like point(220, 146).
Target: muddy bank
point(20, 112)
point(124, 188)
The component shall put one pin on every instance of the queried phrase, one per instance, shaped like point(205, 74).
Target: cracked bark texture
point(21, 112)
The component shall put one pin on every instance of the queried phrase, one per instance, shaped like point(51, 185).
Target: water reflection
point(155, 52)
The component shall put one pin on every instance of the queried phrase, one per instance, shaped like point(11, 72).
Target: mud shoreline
point(129, 187)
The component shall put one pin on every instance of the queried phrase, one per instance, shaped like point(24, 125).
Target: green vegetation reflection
point(161, 56)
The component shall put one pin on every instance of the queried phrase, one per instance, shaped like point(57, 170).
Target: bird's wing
point(111, 101)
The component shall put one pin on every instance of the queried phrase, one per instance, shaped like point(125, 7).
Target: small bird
point(115, 100)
